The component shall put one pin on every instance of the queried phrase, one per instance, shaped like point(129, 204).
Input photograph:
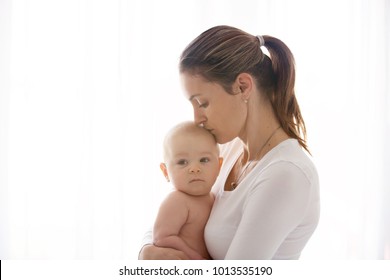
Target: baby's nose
point(194, 169)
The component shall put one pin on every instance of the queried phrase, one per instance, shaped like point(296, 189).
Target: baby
point(192, 164)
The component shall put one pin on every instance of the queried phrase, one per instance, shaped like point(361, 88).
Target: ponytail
point(283, 99)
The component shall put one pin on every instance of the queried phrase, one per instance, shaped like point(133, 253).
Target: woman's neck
point(262, 132)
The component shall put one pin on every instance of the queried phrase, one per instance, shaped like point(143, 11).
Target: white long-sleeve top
point(274, 210)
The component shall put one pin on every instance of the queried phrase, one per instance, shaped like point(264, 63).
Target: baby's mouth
point(196, 180)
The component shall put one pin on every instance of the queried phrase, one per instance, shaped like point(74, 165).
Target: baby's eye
point(182, 162)
point(204, 160)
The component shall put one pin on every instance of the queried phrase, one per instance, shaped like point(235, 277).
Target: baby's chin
point(197, 191)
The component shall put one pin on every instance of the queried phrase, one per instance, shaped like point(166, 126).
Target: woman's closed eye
point(203, 105)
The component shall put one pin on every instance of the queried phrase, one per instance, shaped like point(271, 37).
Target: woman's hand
point(151, 252)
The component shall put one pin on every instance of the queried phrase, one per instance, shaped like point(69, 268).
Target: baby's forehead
point(191, 148)
point(193, 138)
point(186, 137)
point(191, 132)
point(188, 129)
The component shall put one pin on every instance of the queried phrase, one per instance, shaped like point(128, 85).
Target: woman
point(267, 194)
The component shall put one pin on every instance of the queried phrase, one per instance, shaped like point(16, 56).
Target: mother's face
point(221, 113)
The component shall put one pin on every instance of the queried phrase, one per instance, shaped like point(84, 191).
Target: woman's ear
point(244, 85)
point(164, 170)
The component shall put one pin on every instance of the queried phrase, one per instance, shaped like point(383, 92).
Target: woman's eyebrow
point(193, 96)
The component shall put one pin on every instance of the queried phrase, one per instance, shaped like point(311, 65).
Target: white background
point(89, 88)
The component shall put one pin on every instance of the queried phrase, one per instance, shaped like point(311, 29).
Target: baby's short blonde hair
point(187, 127)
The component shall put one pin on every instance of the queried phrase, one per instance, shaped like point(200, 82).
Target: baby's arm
point(172, 215)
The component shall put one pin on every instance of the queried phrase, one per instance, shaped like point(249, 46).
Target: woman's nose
point(199, 117)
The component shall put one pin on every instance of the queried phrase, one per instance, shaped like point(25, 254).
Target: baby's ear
point(164, 170)
point(220, 162)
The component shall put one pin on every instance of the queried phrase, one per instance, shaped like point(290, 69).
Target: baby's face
point(193, 163)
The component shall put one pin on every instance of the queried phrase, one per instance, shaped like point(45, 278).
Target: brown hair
point(221, 53)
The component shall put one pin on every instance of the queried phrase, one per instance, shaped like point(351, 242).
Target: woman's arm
point(151, 252)
point(175, 242)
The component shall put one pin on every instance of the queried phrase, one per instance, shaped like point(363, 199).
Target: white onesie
point(274, 210)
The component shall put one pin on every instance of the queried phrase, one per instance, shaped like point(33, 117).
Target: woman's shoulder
point(289, 155)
